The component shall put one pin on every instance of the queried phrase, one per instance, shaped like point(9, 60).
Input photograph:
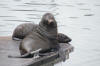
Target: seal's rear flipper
point(27, 55)
point(17, 39)
point(36, 53)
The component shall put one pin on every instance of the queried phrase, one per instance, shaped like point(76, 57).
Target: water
point(79, 19)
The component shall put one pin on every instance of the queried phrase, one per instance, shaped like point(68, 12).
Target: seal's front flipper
point(27, 55)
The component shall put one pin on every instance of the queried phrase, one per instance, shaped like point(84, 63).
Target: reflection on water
point(79, 19)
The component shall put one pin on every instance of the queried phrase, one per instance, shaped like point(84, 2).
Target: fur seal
point(44, 37)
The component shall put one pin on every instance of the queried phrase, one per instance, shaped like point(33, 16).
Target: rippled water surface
point(79, 19)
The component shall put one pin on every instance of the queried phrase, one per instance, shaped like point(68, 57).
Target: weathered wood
point(8, 47)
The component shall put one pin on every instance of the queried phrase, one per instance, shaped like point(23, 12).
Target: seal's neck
point(42, 30)
point(47, 33)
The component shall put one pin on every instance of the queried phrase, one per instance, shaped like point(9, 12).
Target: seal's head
point(48, 21)
point(48, 26)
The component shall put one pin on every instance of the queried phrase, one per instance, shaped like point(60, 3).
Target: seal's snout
point(50, 21)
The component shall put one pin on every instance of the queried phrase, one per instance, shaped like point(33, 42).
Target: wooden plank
point(10, 47)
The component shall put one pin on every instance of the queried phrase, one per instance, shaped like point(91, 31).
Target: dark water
point(79, 19)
